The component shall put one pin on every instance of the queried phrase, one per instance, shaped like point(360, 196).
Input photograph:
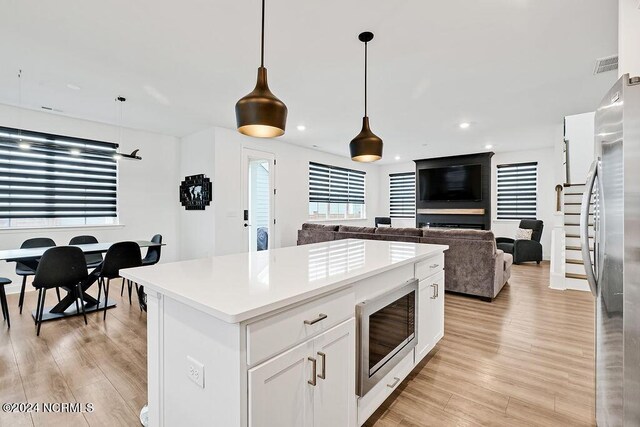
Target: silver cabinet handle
point(312, 381)
point(435, 295)
point(394, 383)
point(316, 320)
point(323, 373)
point(434, 265)
point(437, 290)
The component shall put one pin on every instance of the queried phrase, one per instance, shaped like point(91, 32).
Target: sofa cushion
point(508, 261)
point(350, 229)
point(416, 232)
point(313, 226)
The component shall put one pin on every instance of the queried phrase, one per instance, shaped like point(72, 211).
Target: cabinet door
point(437, 310)
point(430, 314)
point(426, 294)
point(335, 392)
point(279, 392)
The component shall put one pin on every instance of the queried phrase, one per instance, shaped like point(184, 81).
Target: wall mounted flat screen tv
point(451, 183)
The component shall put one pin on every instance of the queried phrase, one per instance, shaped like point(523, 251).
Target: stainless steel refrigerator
point(610, 235)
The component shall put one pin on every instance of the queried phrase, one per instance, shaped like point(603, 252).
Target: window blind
point(402, 195)
point(332, 184)
point(52, 176)
point(517, 191)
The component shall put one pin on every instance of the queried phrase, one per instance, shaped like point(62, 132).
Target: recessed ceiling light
point(72, 86)
point(75, 152)
point(465, 125)
point(302, 128)
point(488, 146)
point(397, 157)
point(24, 145)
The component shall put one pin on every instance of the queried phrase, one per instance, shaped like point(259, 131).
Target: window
point(335, 193)
point(50, 180)
point(402, 195)
point(517, 191)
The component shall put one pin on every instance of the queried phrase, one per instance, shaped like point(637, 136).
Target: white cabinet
point(313, 384)
point(430, 314)
point(279, 394)
point(335, 391)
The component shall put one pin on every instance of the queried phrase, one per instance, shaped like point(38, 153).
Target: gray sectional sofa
point(473, 264)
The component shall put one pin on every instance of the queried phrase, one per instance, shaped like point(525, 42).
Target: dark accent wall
point(482, 222)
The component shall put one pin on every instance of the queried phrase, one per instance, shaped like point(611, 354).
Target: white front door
point(258, 199)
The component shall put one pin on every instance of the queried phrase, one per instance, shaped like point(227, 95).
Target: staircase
point(575, 277)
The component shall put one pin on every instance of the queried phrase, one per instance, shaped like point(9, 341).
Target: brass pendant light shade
point(366, 146)
point(261, 114)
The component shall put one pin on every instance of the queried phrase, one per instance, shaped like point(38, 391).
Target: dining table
point(66, 306)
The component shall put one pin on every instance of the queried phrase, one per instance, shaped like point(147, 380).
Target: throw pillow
point(524, 234)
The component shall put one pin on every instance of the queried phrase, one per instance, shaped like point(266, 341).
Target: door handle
point(323, 374)
point(584, 225)
point(316, 320)
point(435, 295)
point(313, 381)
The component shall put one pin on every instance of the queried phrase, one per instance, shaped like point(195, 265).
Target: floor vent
point(603, 65)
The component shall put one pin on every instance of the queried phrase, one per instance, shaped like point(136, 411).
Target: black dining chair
point(152, 257)
point(26, 271)
point(62, 266)
point(3, 300)
point(93, 260)
point(153, 253)
point(120, 255)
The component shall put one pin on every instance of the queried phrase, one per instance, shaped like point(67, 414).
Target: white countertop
point(235, 288)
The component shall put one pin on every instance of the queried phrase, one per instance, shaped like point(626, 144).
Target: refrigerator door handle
point(584, 226)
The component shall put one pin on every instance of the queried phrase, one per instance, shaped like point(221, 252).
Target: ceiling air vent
point(603, 65)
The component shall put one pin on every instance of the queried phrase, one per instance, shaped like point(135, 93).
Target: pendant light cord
point(20, 104)
point(365, 79)
point(262, 38)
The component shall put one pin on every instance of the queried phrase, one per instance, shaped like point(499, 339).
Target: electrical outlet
point(195, 371)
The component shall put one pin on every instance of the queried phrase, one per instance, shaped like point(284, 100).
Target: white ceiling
point(513, 68)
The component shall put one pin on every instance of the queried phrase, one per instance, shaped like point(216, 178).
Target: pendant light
point(366, 146)
point(261, 114)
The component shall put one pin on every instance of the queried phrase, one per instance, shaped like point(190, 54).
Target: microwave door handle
point(584, 227)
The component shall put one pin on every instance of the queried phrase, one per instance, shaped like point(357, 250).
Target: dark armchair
point(524, 250)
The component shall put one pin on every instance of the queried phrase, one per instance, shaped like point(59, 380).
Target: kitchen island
point(270, 338)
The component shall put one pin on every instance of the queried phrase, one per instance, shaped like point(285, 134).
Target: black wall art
point(195, 192)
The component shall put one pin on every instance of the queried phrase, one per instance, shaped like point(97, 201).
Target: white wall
point(291, 181)
point(629, 37)
point(547, 169)
point(580, 132)
point(147, 189)
point(197, 228)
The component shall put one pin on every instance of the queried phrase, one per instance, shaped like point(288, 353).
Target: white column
point(629, 37)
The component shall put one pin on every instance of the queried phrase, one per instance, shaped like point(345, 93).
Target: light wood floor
point(525, 359)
